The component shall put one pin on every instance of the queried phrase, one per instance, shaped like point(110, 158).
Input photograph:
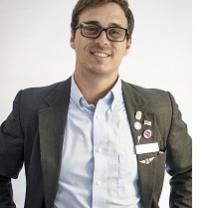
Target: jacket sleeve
point(11, 153)
point(179, 160)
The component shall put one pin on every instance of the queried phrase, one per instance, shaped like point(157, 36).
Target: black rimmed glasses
point(113, 33)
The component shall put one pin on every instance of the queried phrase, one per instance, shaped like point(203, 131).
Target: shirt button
point(98, 116)
point(98, 183)
point(99, 150)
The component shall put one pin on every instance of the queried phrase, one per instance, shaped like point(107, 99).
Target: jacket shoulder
point(155, 98)
point(40, 92)
point(35, 98)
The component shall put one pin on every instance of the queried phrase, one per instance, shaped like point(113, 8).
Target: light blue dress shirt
point(99, 167)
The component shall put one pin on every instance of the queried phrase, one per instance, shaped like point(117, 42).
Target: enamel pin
point(137, 125)
point(139, 138)
point(147, 123)
point(147, 160)
point(147, 134)
point(138, 115)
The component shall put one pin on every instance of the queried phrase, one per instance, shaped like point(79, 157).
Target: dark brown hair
point(84, 4)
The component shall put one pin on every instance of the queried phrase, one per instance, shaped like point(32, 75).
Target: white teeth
point(103, 55)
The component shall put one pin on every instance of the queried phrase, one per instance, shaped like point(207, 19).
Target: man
point(95, 140)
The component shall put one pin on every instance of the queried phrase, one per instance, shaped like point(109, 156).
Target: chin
point(99, 68)
point(100, 71)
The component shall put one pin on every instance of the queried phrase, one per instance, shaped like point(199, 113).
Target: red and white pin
point(147, 134)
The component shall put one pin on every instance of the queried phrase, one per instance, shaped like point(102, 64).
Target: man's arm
point(11, 153)
point(179, 161)
point(6, 193)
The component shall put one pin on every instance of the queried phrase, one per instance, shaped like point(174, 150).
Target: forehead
point(106, 14)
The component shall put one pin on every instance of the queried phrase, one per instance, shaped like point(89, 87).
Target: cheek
point(120, 53)
point(82, 47)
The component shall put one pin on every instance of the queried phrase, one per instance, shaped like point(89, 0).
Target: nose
point(102, 38)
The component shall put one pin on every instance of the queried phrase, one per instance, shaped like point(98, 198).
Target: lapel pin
point(137, 125)
point(147, 123)
point(138, 115)
point(147, 134)
point(147, 160)
point(139, 138)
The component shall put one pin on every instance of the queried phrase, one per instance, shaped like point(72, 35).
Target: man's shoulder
point(152, 100)
point(148, 93)
point(36, 97)
point(42, 90)
point(156, 100)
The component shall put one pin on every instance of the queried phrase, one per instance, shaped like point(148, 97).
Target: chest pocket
point(127, 176)
point(127, 168)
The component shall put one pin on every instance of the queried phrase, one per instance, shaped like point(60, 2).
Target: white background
point(34, 51)
point(200, 102)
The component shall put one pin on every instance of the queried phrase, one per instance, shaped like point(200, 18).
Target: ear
point(128, 46)
point(72, 40)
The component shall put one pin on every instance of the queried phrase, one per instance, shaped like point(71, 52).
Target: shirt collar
point(111, 98)
point(76, 94)
point(116, 93)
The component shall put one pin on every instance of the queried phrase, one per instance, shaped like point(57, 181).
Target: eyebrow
point(98, 23)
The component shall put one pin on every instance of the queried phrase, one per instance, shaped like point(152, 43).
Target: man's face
point(100, 56)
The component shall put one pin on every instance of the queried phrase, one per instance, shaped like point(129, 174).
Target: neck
point(94, 87)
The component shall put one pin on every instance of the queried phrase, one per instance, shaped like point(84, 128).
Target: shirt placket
point(99, 154)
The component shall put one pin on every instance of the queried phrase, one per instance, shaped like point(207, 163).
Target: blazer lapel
point(52, 122)
point(135, 102)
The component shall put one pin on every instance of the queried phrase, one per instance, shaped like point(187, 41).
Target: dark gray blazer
point(33, 134)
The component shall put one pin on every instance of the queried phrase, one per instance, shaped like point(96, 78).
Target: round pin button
point(137, 125)
point(147, 134)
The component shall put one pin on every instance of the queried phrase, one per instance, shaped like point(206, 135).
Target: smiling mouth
point(100, 54)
